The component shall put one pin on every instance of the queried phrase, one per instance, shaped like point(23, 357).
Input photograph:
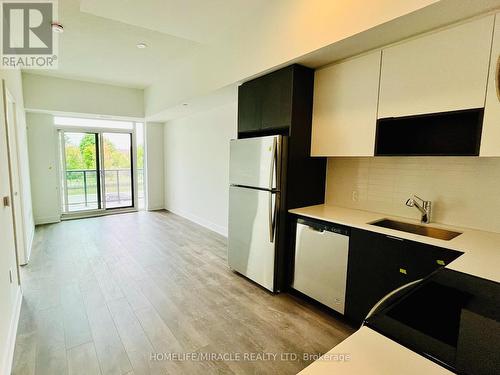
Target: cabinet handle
point(395, 238)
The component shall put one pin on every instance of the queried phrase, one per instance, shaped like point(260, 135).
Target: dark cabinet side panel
point(249, 107)
point(276, 97)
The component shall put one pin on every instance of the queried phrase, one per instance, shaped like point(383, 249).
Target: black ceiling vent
point(456, 133)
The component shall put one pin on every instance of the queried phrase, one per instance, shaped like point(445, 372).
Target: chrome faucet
point(425, 208)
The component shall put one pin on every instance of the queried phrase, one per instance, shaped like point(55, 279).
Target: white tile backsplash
point(465, 191)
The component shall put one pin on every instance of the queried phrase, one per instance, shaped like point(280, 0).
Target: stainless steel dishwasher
point(321, 252)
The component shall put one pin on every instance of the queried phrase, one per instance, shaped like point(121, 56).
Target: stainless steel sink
point(423, 230)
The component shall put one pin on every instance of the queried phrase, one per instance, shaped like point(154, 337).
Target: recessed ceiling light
point(141, 45)
point(57, 27)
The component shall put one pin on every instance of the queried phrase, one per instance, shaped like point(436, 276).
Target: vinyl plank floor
point(76, 326)
point(103, 295)
point(82, 360)
point(108, 345)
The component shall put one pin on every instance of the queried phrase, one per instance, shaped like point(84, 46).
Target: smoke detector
point(141, 45)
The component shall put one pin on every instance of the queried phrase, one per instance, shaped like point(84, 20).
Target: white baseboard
point(29, 246)
point(11, 340)
point(200, 221)
point(156, 208)
point(47, 220)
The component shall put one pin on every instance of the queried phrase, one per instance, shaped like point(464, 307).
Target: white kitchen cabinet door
point(439, 72)
point(345, 107)
point(490, 139)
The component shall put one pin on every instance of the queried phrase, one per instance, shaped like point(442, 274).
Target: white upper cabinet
point(490, 140)
point(439, 72)
point(345, 107)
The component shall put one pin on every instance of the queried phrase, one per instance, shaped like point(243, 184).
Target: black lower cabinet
point(379, 264)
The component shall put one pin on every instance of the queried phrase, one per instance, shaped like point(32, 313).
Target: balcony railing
point(81, 186)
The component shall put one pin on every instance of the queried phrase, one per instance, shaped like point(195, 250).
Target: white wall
point(463, 190)
point(43, 149)
point(259, 44)
point(154, 166)
point(196, 152)
point(42, 143)
point(52, 94)
point(10, 292)
point(45, 96)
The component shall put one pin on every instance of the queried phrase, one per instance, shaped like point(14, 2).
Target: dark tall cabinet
point(271, 104)
point(281, 103)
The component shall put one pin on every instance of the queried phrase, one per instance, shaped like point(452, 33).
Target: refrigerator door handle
point(273, 164)
point(273, 214)
point(271, 217)
point(276, 210)
point(274, 176)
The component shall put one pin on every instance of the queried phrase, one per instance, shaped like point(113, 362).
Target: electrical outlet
point(354, 196)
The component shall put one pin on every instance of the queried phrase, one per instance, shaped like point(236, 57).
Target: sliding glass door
point(117, 164)
point(80, 177)
point(97, 171)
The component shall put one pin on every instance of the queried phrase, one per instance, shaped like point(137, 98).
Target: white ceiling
point(100, 37)
point(199, 46)
point(202, 21)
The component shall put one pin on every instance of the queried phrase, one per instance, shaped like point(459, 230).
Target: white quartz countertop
point(371, 352)
point(481, 249)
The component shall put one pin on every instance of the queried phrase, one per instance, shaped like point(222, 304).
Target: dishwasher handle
point(315, 229)
point(323, 226)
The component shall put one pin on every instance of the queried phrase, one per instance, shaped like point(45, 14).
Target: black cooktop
point(451, 318)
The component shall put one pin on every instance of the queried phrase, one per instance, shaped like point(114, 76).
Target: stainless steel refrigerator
point(255, 197)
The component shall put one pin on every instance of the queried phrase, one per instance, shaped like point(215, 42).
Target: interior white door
point(15, 180)
point(252, 162)
point(251, 250)
point(8, 259)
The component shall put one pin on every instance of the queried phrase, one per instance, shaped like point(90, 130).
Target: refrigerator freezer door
point(253, 162)
point(251, 250)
